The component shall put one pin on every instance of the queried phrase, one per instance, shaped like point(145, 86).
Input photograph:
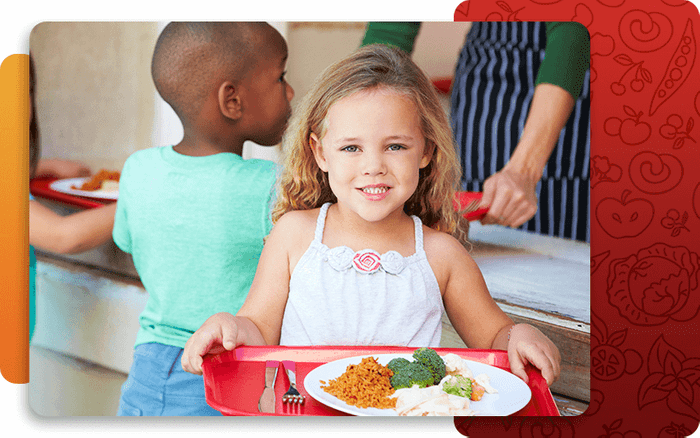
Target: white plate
point(65, 186)
point(513, 394)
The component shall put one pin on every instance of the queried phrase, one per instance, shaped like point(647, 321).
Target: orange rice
point(366, 385)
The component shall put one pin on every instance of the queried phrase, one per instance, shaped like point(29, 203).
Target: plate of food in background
point(103, 185)
point(418, 384)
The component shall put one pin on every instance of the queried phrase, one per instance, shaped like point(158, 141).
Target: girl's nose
point(373, 164)
point(290, 93)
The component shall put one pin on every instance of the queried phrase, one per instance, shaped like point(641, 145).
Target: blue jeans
point(158, 386)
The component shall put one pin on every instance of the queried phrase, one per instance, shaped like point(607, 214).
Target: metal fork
point(292, 396)
point(471, 210)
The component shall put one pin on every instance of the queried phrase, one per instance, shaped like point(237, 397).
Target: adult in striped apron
point(497, 73)
point(499, 69)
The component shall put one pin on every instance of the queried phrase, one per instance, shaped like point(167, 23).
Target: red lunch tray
point(234, 380)
point(40, 187)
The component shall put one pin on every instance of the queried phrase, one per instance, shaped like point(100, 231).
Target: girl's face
point(373, 149)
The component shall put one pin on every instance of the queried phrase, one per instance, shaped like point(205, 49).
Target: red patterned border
point(645, 206)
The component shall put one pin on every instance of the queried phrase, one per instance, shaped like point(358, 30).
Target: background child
point(370, 163)
point(194, 215)
point(49, 230)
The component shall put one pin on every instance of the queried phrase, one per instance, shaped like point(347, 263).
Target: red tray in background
point(40, 187)
point(234, 380)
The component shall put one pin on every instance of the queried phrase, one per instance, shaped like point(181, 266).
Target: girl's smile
point(375, 192)
point(373, 149)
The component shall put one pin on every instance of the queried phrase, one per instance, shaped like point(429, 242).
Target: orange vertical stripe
point(14, 218)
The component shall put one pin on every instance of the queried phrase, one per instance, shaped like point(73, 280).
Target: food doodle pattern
point(696, 200)
point(678, 69)
point(645, 32)
point(630, 130)
point(673, 379)
point(674, 222)
point(615, 430)
point(645, 272)
point(673, 129)
point(624, 217)
point(608, 360)
point(603, 170)
point(635, 81)
point(655, 285)
point(654, 173)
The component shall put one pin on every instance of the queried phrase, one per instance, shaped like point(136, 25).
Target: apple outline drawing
point(613, 209)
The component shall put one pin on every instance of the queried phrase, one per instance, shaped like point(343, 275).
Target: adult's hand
point(510, 193)
point(511, 198)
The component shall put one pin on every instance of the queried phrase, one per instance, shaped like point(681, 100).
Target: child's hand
point(62, 168)
point(529, 345)
point(219, 333)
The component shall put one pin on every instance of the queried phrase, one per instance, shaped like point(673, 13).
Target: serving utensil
point(266, 403)
point(292, 396)
point(468, 204)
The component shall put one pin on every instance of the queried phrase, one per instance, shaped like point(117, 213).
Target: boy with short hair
point(194, 215)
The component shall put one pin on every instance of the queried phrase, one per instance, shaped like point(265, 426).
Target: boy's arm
point(70, 234)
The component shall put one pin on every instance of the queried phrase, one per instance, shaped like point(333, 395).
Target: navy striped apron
point(492, 90)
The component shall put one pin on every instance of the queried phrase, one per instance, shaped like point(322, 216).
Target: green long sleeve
point(567, 56)
point(399, 34)
point(567, 53)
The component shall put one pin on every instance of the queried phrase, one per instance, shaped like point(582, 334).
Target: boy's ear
point(317, 149)
point(428, 155)
point(230, 100)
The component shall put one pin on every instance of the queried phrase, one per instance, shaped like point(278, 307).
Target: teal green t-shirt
point(195, 228)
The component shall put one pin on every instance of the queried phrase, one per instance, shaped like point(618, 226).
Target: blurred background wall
point(96, 101)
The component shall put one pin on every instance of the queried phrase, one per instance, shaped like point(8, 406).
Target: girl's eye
point(351, 148)
point(396, 147)
point(281, 79)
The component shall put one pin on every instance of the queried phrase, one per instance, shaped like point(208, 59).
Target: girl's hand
point(510, 197)
point(219, 333)
point(529, 345)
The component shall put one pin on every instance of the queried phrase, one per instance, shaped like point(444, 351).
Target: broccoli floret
point(432, 361)
point(412, 374)
point(397, 363)
point(458, 385)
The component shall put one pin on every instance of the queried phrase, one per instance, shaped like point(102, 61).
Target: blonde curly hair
point(304, 186)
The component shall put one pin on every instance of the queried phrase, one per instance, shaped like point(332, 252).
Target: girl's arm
point(61, 168)
point(477, 318)
point(70, 234)
point(259, 321)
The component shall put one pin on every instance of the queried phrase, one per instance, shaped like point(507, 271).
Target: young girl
point(49, 230)
point(369, 163)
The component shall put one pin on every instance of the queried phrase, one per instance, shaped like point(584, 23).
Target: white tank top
point(341, 297)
